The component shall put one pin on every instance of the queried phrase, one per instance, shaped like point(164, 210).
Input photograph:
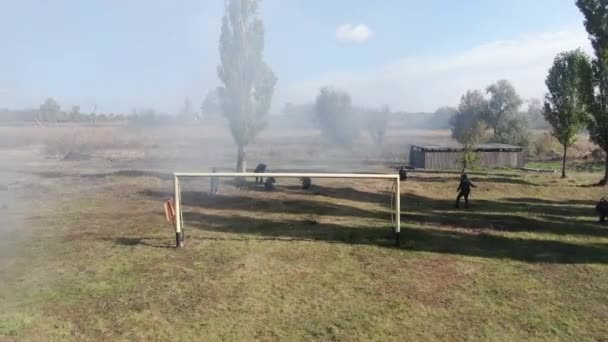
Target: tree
point(186, 114)
point(473, 136)
point(504, 102)
point(534, 114)
point(377, 120)
point(441, 118)
point(248, 82)
point(210, 109)
point(471, 110)
point(49, 110)
point(75, 114)
point(336, 118)
point(565, 109)
point(595, 13)
point(513, 131)
point(596, 16)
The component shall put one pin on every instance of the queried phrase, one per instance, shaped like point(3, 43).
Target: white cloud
point(425, 82)
point(356, 34)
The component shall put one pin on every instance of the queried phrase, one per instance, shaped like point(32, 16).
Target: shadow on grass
point(457, 173)
point(268, 205)
point(594, 185)
point(454, 179)
point(512, 216)
point(125, 241)
point(469, 232)
point(298, 230)
point(349, 193)
point(492, 246)
point(122, 173)
point(427, 239)
point(528, 200)
point(511, 207)
point(508, 223)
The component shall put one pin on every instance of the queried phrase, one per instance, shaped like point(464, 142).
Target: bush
point(583, 147)
point(544, 146)
point(336, 118)
point(513, 131)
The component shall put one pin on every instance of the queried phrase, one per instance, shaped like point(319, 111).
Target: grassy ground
point(575, 165)
point(526, 262)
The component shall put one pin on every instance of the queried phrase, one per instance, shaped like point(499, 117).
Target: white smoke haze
point(353, 33)
point(426, 82)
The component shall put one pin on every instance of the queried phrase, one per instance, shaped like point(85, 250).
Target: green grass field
point(576, 166)
point(527, 261)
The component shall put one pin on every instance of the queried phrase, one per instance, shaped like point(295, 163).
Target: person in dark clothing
point(269, 184)
point(464, 190)
point(214, 183)
point(261, 168)
point(402, 174)
point(602, 209)
point(306, 183)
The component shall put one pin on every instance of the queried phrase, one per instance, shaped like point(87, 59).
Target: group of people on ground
point(268, 183)
point(464, 187)
point(463, 190)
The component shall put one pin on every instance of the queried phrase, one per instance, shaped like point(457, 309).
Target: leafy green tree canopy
point(595, 13)
point(248, 82)
point(503, 104)
point(566, 103)
point(471, 110)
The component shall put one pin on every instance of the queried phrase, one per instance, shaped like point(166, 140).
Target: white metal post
point(179, 242)
point(286, 175)
point(398, 214)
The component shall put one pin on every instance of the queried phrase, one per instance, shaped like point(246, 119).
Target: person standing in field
point(214, 183)
point(306, 183)
point(464, 190)
point(602, 209)
point(402, 174)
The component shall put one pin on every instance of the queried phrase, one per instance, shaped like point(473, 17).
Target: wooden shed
point(436, 157)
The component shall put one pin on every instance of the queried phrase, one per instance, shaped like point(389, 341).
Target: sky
point(413, 55)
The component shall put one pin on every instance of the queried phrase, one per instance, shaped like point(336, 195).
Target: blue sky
point(411, 55)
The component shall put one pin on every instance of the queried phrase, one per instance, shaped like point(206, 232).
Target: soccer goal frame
point(179, 236)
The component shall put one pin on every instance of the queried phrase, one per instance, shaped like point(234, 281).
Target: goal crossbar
point(178, 175)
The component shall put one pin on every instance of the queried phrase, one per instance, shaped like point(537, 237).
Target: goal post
point(179, 236)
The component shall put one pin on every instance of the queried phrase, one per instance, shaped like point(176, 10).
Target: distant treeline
point(35, 116)
point(50, 112)
point(303, 116)
point(440, 119)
